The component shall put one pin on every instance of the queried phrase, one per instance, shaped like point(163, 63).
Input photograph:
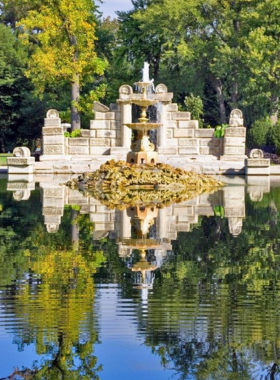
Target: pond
point(189, 291)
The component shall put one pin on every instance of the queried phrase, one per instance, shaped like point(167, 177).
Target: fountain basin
point(143, 127)
point(145, 102)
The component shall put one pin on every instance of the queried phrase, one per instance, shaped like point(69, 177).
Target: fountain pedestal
point(142, 157)
point(143, 151)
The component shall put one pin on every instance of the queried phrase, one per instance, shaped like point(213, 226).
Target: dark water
point(73, 306)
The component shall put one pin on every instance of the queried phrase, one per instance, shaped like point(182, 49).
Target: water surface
point(74, 306)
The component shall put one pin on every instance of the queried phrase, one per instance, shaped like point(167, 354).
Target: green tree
point(62, 36)
point(275, 136)
point(229, 46)
point(262, 55)
point(13, 85)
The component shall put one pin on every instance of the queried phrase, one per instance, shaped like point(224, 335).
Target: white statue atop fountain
point(142, 150)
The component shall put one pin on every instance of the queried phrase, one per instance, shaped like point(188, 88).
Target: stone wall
point(183, 136)
point(179, 135)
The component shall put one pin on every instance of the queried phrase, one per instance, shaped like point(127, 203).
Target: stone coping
point(74, 164)
point(20, 161)
point(211, 166)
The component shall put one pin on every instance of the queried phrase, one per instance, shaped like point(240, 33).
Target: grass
point(3, 158)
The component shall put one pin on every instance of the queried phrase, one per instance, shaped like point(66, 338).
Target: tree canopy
point(225, 52)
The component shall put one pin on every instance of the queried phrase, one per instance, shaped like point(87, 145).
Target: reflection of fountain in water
point(142, 222)
point(147, 281)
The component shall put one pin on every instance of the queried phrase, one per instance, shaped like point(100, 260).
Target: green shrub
point(220, 130)
point(260, 134)
point(75, 133)
point(195, 107)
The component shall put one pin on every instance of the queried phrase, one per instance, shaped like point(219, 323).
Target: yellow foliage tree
point(62, 35)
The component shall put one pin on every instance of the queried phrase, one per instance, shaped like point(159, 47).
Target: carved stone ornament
point(256, 195)
point(52, 228)
point(236, 118)
point(235, 226)
point(20, 161)
point(52, 114)
point(234, 150)
point(21, 195)
point(236, 113)
point(260, 162)
point(54, 193)
point(235, 132)
point(21, 151)
point(161, 89)
point(125, 90)
point(52, 131)
point(53, 149)
point(256, 153)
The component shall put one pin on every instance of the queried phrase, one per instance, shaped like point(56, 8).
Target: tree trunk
point(75, 90)
point(75, 233)
point(220, 97)
point(75, 116)
point(274, 108)
point(234, 95)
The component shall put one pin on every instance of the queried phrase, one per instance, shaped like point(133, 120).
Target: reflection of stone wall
point(171, 220)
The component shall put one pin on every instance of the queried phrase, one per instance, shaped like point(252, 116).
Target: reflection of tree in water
point(54, 303)
point(219, 312)
point(201, 360)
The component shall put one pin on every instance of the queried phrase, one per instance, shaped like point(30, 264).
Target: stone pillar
point(164, 107)
point(53, 137)
point(162, 118)
point(125, 103)
point(126, 117)
point(235, 138)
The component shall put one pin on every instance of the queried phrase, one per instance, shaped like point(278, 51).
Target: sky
point(109, 7)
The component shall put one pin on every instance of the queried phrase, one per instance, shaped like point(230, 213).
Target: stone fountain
point(142, 150)
point(142, 180)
